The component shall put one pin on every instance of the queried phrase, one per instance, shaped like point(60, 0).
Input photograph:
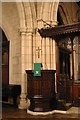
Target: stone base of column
point(24, 103)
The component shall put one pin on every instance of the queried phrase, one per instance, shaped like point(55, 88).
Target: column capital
point(40, 23)
point(29, 30)
point(51, 23)
point(46, 23)
point(23, 30)
point(54, 23)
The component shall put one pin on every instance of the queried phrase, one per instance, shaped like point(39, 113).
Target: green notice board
point(37, 69)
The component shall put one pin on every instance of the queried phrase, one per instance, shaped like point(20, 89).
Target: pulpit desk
point(41, 90)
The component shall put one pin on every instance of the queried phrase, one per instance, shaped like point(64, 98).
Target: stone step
point(68, 105)
point(63, 105)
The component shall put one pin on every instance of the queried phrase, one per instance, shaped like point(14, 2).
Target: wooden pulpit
point(41, 90)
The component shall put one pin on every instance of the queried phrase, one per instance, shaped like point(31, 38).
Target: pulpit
point(41, 90)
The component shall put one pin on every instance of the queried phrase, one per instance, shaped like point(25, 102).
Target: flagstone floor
point(13, 113)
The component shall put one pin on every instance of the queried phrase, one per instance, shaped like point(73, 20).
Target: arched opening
point(59, 18)
point(63, 59)
point(5, 59)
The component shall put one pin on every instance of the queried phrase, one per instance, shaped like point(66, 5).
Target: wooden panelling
point(5, 75)
point(41, 90)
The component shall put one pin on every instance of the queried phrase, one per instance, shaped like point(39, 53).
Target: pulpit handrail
point(60, 83)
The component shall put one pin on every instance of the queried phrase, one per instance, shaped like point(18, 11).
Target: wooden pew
point(12, 91)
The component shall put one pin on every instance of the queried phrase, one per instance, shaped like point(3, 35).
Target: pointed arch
point(68, 12)
point(34, 14)
point(21, 12)
point(28, 15)
point(49, 14)
point(46, 12)
point(54, 9)
point(62, 14)
point(40, 12)
point(8, 24)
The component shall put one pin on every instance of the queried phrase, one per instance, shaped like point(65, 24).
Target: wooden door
point(64, 62)
point(63, 82)
point(5, 60)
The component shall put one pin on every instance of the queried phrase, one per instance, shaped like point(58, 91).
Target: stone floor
point(13, 113)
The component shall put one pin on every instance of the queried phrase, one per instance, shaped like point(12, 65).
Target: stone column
point(29, 49)
point(48, 53)
point(53, 55)
point(38, 44)
point(24, 103)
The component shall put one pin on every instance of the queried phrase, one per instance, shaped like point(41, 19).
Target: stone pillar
point(38, 44)
point(29, 49)
point(44, 53)
point(48, 46)
point(53, 55)
point(48, 53)
point(24, 103)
